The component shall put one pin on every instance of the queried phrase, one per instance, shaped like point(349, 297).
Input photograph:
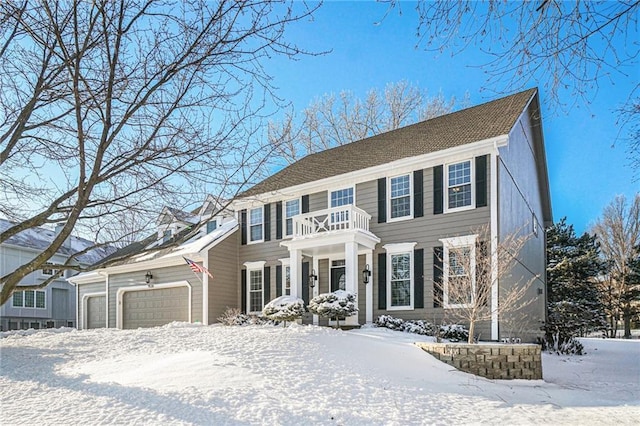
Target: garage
point(155, 306)
point(96, 312)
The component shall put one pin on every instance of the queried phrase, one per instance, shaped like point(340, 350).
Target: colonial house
point(376, 217)
point(50, 306)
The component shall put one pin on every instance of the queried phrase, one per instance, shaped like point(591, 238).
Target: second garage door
point(155, 307)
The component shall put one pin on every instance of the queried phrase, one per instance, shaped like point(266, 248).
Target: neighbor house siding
point(160, 276)
point(224, 290)
point(83, 290)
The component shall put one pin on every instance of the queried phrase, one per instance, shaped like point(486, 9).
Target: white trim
point(341, 188)
point(472, 184)
point(77, 310)
point(315, 264)
point(284, 216)
point(85, 300)
point(249, 240)
point(106, 300)
point(395, 249)
point(404, 165)
point(456, 243)
point(121, 291)
point(495, 331)
point(248, 272)
point(205, 290)
point(255, 265)
point(369, 289)
point(388, 200)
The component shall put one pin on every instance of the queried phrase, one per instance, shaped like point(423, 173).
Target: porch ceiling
point(329, 243)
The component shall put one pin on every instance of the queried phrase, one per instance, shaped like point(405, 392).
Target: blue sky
point(585, 170)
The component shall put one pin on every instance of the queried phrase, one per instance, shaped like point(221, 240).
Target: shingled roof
point(495, 118)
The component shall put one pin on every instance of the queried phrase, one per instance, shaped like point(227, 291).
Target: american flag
point(197, 268)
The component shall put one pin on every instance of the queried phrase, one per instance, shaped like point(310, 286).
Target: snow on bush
point(234, 316)
point(284, 308)
point(562, 345)
point(453, 332)
point(336, 305)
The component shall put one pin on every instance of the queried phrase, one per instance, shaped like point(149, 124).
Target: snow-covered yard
point(190, 374)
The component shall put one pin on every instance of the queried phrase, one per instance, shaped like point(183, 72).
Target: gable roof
point(489, 120)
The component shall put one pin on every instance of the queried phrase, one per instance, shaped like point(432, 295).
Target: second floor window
point(459, 185)
point(211, 226)
point(255, 224)
point(400, 196)
point(291, 208)
point(341, 197)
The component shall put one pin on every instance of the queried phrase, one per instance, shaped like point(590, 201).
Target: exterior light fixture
point(366, 273)
point(148, 277)
point(313, 278)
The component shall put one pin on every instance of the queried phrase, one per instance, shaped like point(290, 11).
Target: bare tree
point(618, 232)
point(112, 106)
point(337, 120)
point(469, 275)
point(571, 48)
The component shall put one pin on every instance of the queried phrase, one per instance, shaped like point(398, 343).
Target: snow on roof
point(40, 238)
point(179, 215)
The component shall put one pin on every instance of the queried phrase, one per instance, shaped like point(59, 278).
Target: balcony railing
point(343, 218)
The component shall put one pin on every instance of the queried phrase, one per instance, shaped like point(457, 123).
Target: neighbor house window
point(291, 209)
point(212, 225)
point(29, 299)
point(166, 236)
point(400, 196)
point(459, 188)
point(255, 291)
point(459, 278)
point(400, 276)
point(255, 224)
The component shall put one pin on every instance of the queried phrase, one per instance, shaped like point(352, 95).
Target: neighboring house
point(50, 306)
point(386, 209)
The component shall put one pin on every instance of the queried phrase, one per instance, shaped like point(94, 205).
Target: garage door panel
point(96, 312)
point(155, 307)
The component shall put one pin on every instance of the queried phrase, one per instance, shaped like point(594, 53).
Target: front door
point(338, 275)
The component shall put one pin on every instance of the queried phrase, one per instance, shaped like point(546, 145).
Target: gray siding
point(160, 276)
point(84, 289)
point(224, 288)
point(519, 197)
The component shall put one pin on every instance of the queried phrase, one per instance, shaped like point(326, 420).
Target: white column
point(352, 274)
point(316, 289)
point(205, 290)
point(369, 289)
point(494, 242)
point(295, 265)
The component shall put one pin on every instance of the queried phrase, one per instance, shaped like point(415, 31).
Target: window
point(459, 278)
point(286, 281)
point(400, 276)
point(342, 197)
point(291, 208)
point(255, 291)
point(459, 188)
point(255, 224)
point(166, 236)
point(212, 225)
point(29, 299)
point(48, 272)
point(400, 196)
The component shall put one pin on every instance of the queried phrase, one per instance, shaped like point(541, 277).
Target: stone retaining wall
point(493, 361)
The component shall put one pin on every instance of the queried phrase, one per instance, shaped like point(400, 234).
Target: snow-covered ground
point(190, 374)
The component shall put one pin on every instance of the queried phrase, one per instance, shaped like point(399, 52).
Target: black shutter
point(382, 200)
point(305, 282)
point(482, 266)
point(267, 222)
point(305, 204)
point(279, 283)
point(243, 291)
point(437, 277)
point(418, 278)
point(418, 197)
point(243, 226)
point(481, 181)
point(267, 285)
point(382, 280)
point(279, 220)
point(438, 194)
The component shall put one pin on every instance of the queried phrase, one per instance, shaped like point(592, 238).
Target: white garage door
point(96, 312)
point(155, 307)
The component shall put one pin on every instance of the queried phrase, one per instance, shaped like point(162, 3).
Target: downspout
point(495, 332)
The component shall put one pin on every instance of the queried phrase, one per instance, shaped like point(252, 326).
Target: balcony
point(333, 220)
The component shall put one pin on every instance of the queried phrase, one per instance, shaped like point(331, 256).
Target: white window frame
point(410, 215)
point(286, 265)
point(261, 224)
point(397, 249)
point(472, 181)
point(254, 267)
point(35, 299)
point(285, 217)
point(457, 243)
point(353, 195)
point(53, 272)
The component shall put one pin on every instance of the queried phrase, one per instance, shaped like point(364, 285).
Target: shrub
point(453, 332)
point(284, 308)
point(561, 345)
point(337, 305)
point(234, 316)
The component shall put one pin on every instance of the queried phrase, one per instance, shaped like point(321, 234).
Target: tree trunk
point(627, 326)
point(472, 327)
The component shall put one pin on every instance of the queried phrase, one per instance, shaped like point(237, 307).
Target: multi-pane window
point(459, 260)
point(286, 284)
point(255, 291)
point(291, 209)
point(459, 185)
point(400, 279)
point(29, 299)
point(341, 197)
point(255, 224)
point(400, 196)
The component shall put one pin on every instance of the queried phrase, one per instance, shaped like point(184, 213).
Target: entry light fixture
point(313, 278)
point(148, 277)
point(366, 273)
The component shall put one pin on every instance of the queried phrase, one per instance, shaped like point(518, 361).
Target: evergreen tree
point(573, 267)
point(337, 305)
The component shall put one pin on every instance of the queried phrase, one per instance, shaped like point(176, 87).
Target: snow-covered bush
point(234, 316)
point(284, 308)
point(337, 305)
point(452, 332)
point(562, 345)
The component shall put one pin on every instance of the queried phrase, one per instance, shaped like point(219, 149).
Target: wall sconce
point(313, 278)
point(148, 277)
point(366, 273)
